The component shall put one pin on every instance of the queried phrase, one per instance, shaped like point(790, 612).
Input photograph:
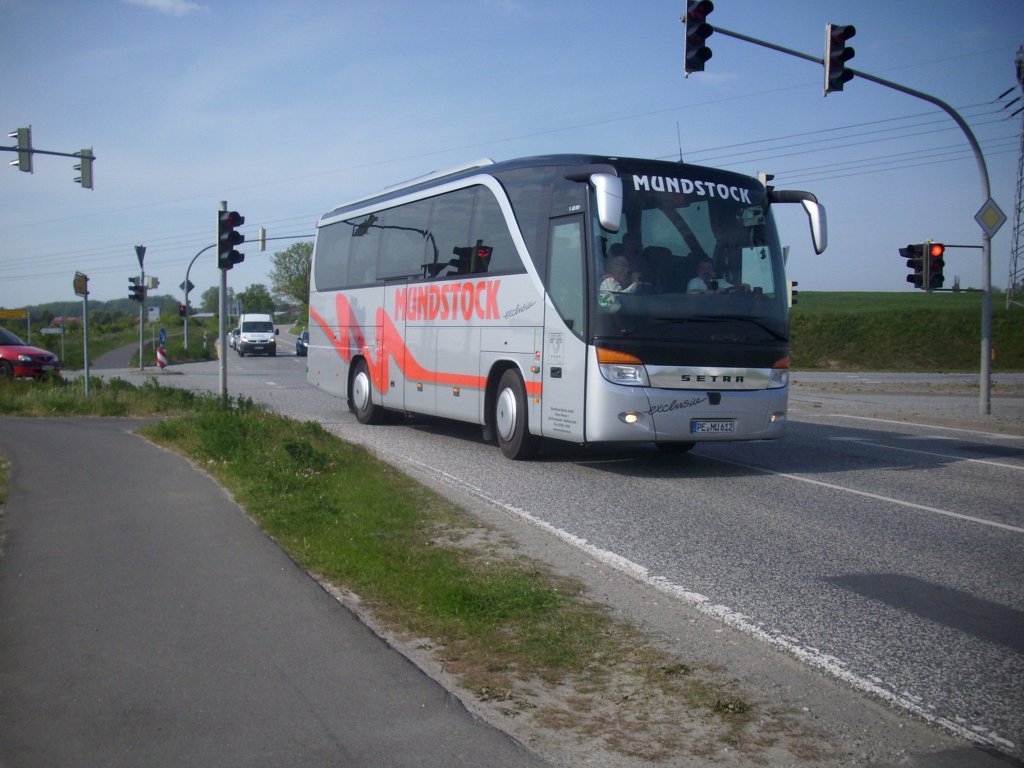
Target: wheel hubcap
point(505, 414)
point(361, 391)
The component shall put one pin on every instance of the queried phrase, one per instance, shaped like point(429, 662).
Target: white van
point(256, 334)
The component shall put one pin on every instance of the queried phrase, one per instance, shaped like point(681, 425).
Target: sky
point(286, 109)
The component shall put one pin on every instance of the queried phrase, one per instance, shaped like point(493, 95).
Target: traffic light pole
point(985, 377)
point(140, 254)
point(142, 322)
point(222, 324)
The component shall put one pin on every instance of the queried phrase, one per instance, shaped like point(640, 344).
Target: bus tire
point(510, 423)
point(361, 396)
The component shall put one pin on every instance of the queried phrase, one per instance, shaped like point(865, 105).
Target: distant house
point(66, 322)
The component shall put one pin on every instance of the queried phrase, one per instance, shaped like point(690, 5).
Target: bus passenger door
point(564, 361)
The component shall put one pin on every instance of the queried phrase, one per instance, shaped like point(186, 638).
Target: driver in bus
point(617, 279)
point(706, 282)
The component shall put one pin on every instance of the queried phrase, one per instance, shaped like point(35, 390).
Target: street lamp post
point(186, 285)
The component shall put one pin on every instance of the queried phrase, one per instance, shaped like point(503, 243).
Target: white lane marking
point(988, 462)
point(876, 496)
point(994, 435)
point(827, 663)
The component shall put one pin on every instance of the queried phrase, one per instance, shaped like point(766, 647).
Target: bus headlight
point(779, 374)
point(630, 375)
point(622, 368)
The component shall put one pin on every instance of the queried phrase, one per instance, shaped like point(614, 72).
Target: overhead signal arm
point(25, 152)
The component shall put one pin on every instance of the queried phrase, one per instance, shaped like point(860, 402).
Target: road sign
point(13, 314)
point(154, 314)
point(140, 251)
point(163, 337)
point(990, 217)
point(81, 283)
point(187, 286)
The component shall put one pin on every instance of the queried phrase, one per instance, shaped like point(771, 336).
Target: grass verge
point(513, 634)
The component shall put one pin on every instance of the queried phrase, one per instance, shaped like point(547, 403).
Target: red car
point(19, 359)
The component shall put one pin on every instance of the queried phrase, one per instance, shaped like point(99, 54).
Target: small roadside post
point(81, 285)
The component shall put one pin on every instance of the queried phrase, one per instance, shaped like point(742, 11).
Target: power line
point(193, 238)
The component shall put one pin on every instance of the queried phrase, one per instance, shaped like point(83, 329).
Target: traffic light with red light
point(936, 264)
point(182, 310)
point(697, 33)
point(228, 238)
point(836, 56)
point(914, 254)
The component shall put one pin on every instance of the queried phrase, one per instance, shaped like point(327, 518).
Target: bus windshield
point(696, 249)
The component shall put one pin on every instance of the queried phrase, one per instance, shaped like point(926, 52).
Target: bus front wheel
point(510, 405)
point(361, 396)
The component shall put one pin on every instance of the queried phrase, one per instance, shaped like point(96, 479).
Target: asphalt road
point(145, 621)
point(878, 542)
point(881, 542)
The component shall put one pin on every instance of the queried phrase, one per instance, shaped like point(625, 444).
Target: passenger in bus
point(633, 250)
point(706, 282)
point(617, 279)
point(636, 259)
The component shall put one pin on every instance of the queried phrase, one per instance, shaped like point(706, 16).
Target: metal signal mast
point(1015, 285)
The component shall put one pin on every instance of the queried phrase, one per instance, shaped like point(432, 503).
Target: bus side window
point(403, 240)
point(494, 250)
point(362, 268)
point(331, 261)
point(449, 227)
point(565, 271)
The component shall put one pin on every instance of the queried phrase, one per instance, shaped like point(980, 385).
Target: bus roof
point(581, 161)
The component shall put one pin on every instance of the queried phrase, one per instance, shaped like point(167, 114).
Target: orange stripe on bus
point(351, 339)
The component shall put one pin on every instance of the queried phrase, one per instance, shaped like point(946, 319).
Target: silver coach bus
point(570, 297)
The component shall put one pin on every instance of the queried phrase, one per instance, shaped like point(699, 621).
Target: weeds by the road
point(512, 633)
point(116, 397)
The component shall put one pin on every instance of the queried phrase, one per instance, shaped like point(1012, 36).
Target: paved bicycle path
point(144, 620)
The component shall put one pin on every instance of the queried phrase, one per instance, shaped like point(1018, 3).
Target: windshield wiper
point(758, 321)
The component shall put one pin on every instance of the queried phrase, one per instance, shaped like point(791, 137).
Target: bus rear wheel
point(361, 396)
point(510, 423)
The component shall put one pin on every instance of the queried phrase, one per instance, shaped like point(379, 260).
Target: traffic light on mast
point(136, 289)
point(697, 33)
point(228, 238)
point(84, 168)
point(914, 254)
point(936, 264)
point(24, 137)
point(836, 56)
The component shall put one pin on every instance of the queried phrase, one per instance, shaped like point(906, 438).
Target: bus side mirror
point(819, 231)
point(608, 191)
point(815, 214)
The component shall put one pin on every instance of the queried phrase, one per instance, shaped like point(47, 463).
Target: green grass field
point(902, 332)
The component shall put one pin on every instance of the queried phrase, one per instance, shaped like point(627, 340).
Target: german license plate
point(712, 426)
